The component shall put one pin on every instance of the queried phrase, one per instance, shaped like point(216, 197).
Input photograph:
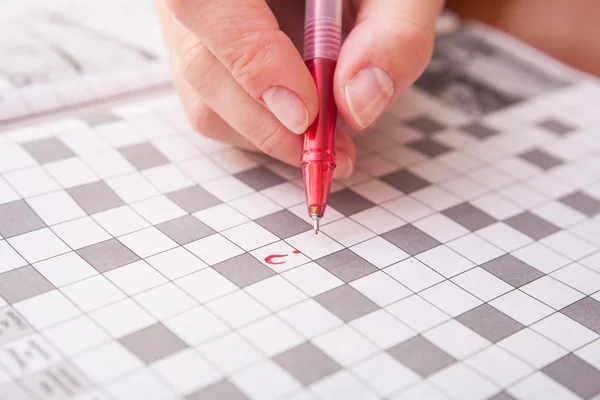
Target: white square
point(450, 298)
point(158, 209)
point(265, 381)
point(377, 191)
point(165, 301)
point(132, 187)
point(56, 207)
point(233, 160)
point(376, 165)
point(92, 293)
point(76, 336)
point(432, 170)
point(275, 293)
point(291, 257)
point(456, 339)
point(271, 336)
point(310, 318)
point(202, 170)
point(31, 181)
point(230, 353)
point(250, 236)
point(9, 258)
point(314, 246)
point(81, 232)
point(122, 318)
point(436, 198)
point(312, 279)
point(382, 329)
point(558, 214)
point(285, 194)
point(499, 366)
point(347, 232)
point(167, 178)
point(147, 242)
point(255, 206)
point(445, 261)
point(65, 269)
point(414, 274)
point(107, 362)
point(379, 252)
point(380, 288)
point(503, 236)
point(186, 371)
point(378, 220)
point(521, 307)
point(497, 206)
point(196, 326)
point(568, 245)
point(491, 177)
point(120, 221)
point(139, 386)
point(214, 249)
point(221, 217)
point(422, 390)
point(550, 186)
point(408, 209)
point(83, 141)
point(345, 346)
point(176, 148)
point(7, 193)
point(14, 157)
point(533, 348)
point(452, 381)
point(227, 189)
point(118, 134)
point(564, 331)
point(441, 228)
point(135, 278)
point(465, 188)
point(523, 196)
point(342, 385)
point(46, 309)
point(71, 172)
point(590, 353)
point(482, 284)
point(541, 386)
point(38, 245)
point(205, 285)
point(588, 230)
point(552, 292)
point(109, 164)
point(384, 374)
point(541, 257)
point(176, 263)
point(475, 249)
point(237, 309)
point(579, 277)
point(417, 313)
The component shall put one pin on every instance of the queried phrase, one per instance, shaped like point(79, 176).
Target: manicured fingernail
point(344, 167)
point(288, 108)
point(368, 94)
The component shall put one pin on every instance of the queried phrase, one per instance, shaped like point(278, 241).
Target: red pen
point(322, 43)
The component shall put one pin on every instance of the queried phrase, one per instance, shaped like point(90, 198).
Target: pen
point(322, 43)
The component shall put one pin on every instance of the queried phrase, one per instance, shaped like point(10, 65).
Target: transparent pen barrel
point(323, 29)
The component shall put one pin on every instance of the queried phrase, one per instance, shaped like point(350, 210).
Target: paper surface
point(140, 260)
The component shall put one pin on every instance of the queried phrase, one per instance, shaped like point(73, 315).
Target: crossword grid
point(459, 262)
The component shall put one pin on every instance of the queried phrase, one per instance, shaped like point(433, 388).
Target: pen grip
point(322, 29)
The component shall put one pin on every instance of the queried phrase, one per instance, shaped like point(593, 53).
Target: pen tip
point(316, 224)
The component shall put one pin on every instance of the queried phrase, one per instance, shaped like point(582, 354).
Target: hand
point(241, 77)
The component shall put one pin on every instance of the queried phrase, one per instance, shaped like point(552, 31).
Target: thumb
point(388, 49)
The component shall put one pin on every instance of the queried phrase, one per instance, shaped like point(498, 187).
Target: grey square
point(405, 181)
point(585, 311)
point(153, 343)
point(490, 323)
point(95, 197)
point(349, 202)
point(17, 218)
point(307, 363)
point(425, 124)
point(429, 147)
point(512, 270)
point(107, 255)
point(541, 159)
point(94, 119)
point(346, 302)
point(243, 270)
point(259, 178)
point(583, 203)
point(576, 375)
point(556, 126)
point(23, 283)
point(532, 225)
point(502, 396)
point(479, 130)
point(221, 390)
point(346, 265)
point(143, 156)
point(283, 224)
point(48, 150)
point(410, 239)
point(469, 216)
point(422, 356)
point(193, 199)
point(185, 229)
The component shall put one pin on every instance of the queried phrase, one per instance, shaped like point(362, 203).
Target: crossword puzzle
point(140, 260)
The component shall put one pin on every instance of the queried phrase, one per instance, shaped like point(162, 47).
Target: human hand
point(242, 80)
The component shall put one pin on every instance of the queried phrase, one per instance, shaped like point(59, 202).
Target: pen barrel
point(322, 29)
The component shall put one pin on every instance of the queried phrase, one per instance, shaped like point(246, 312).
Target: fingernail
point(344, 167)
point(368, 94)
point(288, 108)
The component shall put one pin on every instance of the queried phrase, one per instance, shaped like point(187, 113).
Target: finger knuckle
point(202, 120)
point(272, 139)
point(198, 66)
point(250, 55)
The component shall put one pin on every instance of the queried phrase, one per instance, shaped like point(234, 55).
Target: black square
point(426, 125)
point(193, 199)
point(283, 224)
point(143, 156)
point(221, 390)
point(153, 343)
point(17, 218)
point(469, 216)
point(541, 159)
point(48, 150)
point(586, 311)
point(532, 225)
point(346, 265)
point(410, 239)
point(479, 130)
point(422, 356)
point(259, 178)
point(185, 229)
point(23, 283)
point(95, 197)
point(512, 270)
point(576, 375)
point(490, 323)
point(429, 147)
point(108, 255)
point(556, 126)
point(243, 270)
point(307, 363)
point(346, 303)
point(583, 203)
point(348, 202)
point(405, 181)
